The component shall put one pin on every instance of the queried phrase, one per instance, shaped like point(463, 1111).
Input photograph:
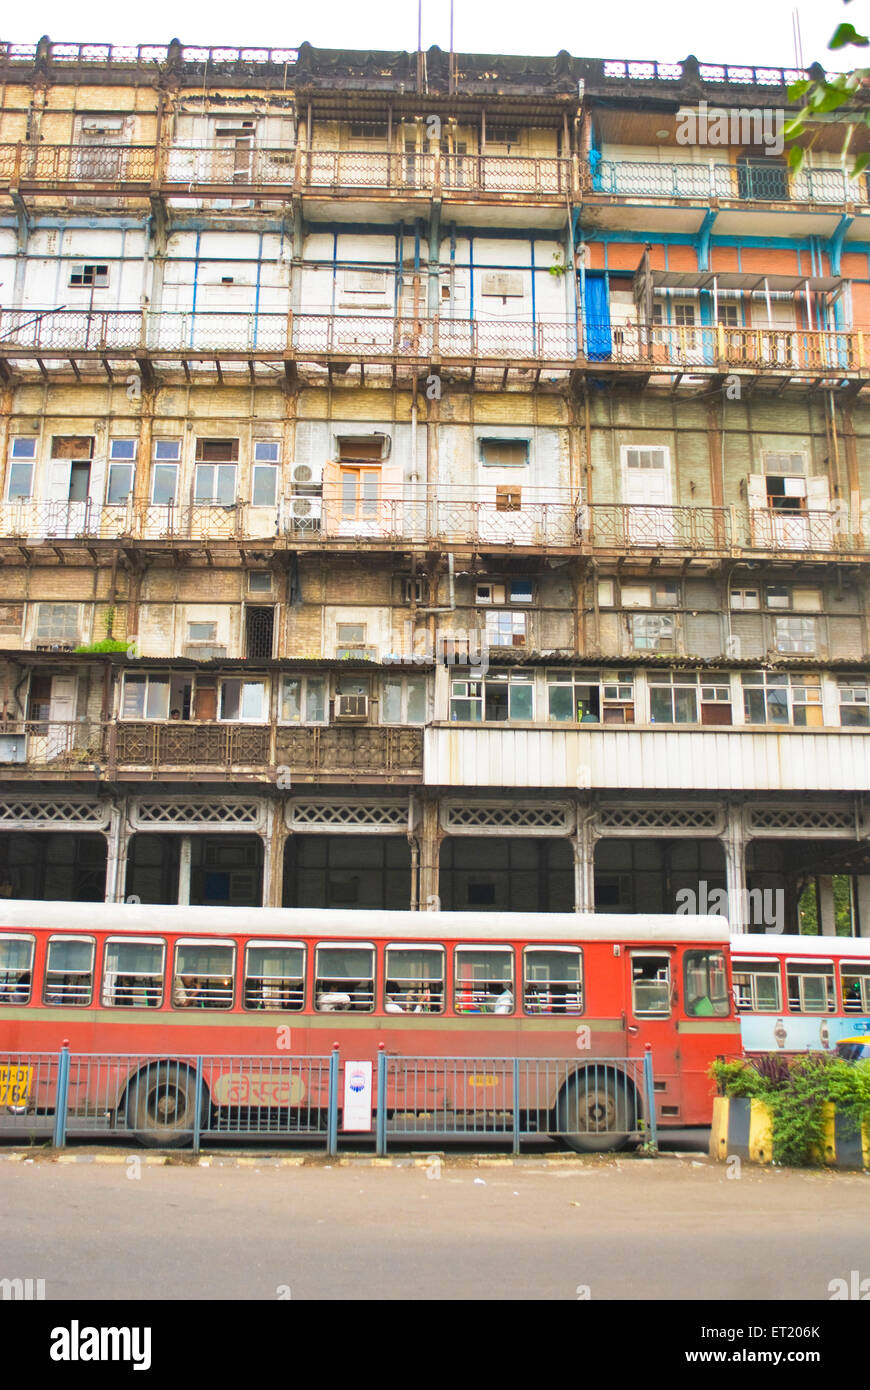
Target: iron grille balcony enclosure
point(546, 518)
point(560, 343)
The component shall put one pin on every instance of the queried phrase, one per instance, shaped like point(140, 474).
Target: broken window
point(89, 276)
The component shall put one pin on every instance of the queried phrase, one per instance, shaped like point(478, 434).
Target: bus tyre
point(161, 1104)
point(593, 1113)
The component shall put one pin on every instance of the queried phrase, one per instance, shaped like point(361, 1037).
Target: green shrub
point(797, 1089)
point(108, 644)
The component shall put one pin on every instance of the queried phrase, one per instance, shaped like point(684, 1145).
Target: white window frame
point(303, 679)
point(402, 680)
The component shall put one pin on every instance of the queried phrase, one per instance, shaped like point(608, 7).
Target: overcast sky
point(735, 31)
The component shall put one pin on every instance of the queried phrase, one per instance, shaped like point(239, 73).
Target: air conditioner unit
point(306, 474)
point(305, 513)
point(351, 706)
point(203, 651)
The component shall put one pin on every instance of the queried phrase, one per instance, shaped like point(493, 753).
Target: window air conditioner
point(351, 706)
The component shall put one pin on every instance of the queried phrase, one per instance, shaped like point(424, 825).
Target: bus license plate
point(15, 1085)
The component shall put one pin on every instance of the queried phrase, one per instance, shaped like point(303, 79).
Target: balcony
point(263, 171)
point(85, 748)
point(49, 339)
point(546, 519)
point(736, 759)
point(756, 182)
point(228, 170)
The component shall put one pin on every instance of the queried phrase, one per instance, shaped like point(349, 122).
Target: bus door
point(651, 1005)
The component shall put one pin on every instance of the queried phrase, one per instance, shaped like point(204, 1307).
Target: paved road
point(627, 1228)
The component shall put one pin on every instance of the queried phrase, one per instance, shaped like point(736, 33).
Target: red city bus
point(175, 984)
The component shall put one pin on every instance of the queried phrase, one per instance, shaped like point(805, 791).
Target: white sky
point(735, 31)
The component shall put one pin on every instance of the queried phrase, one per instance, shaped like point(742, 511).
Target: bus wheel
point(593, 1113)
point(160, 1106)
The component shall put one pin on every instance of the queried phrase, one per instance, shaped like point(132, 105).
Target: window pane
point(157, 699)
point(230, 697)
point(265, 489)
point(20, 475)
point(392, 702)
point(253, 700)
point(291, 700)
point(651, 985)
point(521, 700)
point(275, 978)
point(163, 487)
point(133, 974)
point(416, 688)
point(203, 977)
point(344, 978)
point(69, 972)
point(562, 702)
point(120, 483)
point(133, 703)
point(315, 701)
point(16, 970)
point(122, 449)
point(203, 488)
point(552, 982)
point(706, 985)
point(686, 706)
point(484, 980)
point(660, 705)
point(414, 980)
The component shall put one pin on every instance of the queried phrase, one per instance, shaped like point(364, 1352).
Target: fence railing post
point(649, 1092)
point(332, 1111)
point(516, 1105)
point(61, 1099)
point(381, 1113)
point(197, 1107)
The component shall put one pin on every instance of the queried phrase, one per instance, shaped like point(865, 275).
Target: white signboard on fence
point(357, 1113)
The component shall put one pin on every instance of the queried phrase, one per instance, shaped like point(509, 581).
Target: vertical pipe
point(332, 1104)
point(197, 1104)
point(61, 1096)
point(381, 1113)
point(516, 1105)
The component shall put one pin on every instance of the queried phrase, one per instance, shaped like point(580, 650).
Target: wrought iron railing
point(561, 342)
point(535, 519)
point(751, 182)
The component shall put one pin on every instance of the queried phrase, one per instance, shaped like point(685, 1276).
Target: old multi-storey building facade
point(429, 479)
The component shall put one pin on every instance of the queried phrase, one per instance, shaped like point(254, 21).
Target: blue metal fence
point(593, 1104)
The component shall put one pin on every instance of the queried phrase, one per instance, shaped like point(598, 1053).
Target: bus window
point(16, 969)
point(651, 986)
point(757, 987)
point(414, 980)
point(553, 982)
point(203, 977)
point(133, 974)
point(275, 976)
point(855, 978)
point(810, 986)
point(484, 980)
point(344, 978)
point(69, 970)
point(706, 985)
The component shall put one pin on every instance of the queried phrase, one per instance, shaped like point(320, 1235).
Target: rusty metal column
point(274, 836)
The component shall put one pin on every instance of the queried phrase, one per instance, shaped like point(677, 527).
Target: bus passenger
point(504, 1002)
point(330, 1000)
point(186, 994)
